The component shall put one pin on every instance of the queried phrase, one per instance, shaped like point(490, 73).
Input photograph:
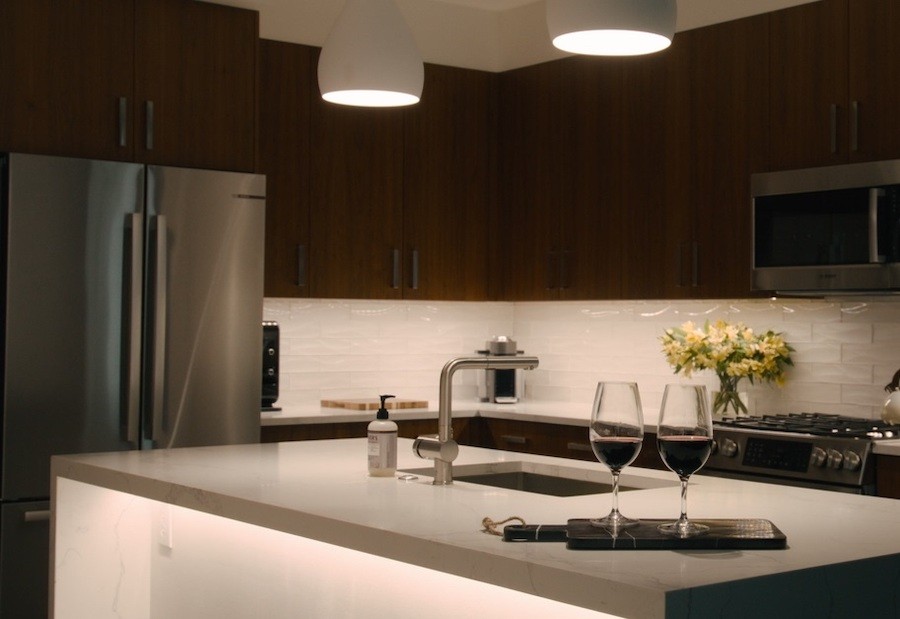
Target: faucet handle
point(430, 447)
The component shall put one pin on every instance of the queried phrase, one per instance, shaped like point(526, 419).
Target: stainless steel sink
point(546, 479)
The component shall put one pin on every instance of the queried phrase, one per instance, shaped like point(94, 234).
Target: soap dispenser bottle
point(382, 443)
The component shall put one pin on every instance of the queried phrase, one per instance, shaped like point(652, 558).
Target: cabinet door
point(728, 75)
point(65, 65)
point(285, 84)
point(356, 204)
point(808, 93)
point(677, 263)
point(874, 32)
point(450, 186)
point(195, 72)
point(589, 190)
point(533, 134)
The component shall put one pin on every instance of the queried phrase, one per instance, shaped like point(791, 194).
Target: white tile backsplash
point(845, 351)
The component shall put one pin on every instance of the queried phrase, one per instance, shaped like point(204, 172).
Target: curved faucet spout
point(442, 448)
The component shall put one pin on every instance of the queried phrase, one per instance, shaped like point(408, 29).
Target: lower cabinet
point(465, 430)
point(559, 440)
point(546, 439)
point(887, 476)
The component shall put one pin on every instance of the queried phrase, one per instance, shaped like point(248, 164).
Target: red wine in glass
point(616, 452)
point(684, 455)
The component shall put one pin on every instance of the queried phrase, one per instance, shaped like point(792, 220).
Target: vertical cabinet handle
point(414, 278)
point(149, 127)
point(854, 126)
point(301, 266)
point(832, 126)
point(564, 260)
point(552, 257)
point(395, 269)
point(132, 297)
point(695, 264)
point(123, 121)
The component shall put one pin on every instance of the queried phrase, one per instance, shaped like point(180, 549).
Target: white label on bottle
point(382, 450)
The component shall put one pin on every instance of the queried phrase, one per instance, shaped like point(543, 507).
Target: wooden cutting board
point(373, 404)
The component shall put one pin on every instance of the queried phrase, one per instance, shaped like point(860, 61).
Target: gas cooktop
point(816, 424)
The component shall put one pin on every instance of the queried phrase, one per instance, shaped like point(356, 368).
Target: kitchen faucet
point(441, 447)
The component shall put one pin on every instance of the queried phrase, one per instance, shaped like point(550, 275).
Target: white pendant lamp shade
point(611, 27)
point(370, 58)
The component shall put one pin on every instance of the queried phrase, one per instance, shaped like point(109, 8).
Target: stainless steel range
point(812, 450)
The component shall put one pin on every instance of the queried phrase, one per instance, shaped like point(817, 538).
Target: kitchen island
point(299, 529)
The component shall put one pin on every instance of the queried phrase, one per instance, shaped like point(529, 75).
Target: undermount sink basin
point(547, 479)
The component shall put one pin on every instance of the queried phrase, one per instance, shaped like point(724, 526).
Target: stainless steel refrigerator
point(131, 319)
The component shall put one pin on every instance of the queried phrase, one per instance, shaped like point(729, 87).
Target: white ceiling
point(492, 35)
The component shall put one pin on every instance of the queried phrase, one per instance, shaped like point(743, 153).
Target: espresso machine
point(501, 386)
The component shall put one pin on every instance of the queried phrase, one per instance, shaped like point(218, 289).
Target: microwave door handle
point(874, 194)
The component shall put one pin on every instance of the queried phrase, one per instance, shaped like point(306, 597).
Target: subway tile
point(857, 333)
point(872, 311)
point(871, 353)
point(833, 373)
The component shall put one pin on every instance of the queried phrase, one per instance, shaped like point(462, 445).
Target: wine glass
point(616, 433)
point(684, 440)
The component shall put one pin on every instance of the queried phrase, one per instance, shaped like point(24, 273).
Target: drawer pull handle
point(579, 447)
point(516, 440)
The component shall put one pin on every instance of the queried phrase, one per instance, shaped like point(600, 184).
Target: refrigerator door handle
point(159, 284)
point(132, 290)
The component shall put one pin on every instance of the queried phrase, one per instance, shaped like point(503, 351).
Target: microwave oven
point(833, 229)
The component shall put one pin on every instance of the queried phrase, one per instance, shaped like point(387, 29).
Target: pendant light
point(611, 27)
point(370, 58)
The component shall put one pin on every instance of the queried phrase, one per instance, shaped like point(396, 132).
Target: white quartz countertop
point(320, 490)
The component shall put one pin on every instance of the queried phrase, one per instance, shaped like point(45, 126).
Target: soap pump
point(382, 443)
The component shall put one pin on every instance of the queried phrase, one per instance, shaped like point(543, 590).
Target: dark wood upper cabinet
point(874, 32)
point(729, 142)
point(64, 68)
point(450, 176)
point(532, 181)
point(76, 77)
point(195, 66)
point(356, 201)
point(284, 152)
point(835, 83)
point(560, 218)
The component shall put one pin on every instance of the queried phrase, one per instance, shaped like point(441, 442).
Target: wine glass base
point(683, 528)
point(614, 520)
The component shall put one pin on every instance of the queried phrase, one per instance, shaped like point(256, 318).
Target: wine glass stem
point(684, 485)
point(615, 492)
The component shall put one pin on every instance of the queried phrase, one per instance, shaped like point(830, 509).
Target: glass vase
point(728, 401)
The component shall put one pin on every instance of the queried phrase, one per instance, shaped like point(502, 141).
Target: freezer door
point(24, 559)
point(69, 254)
point(204, 307)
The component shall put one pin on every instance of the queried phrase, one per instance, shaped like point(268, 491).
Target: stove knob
point(835, 458)
point(818, 457)
point(728, 448)
point(852, 461)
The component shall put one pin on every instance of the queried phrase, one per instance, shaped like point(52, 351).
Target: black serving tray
point(725, 534)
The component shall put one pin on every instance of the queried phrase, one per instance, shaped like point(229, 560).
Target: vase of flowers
point(733, 352)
